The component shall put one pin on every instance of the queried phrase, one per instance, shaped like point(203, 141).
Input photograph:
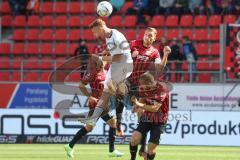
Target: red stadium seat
point(157, 21)
point(215, 65)
point(5, 63)
point(75, 8)
point(126, 6)
point(61, 21)
point(87, 20)
point(32, 35)
point(6, 21)
point(4, 76)
point(229, 19)
point(31, 63)
point(47, 21)
point(203, 64)
point(5, 8)
point(32, 48)
point(5, 48)
point(172, 33)
point(45, 76)
point(17, 62)
point(19, 21)
point(201, 35)
point(160, 33)
point(74, 35)
point(61, 49)
point(18, 48)
point(214, 35)
point(47, 7)
point(202, 48)
point(200, 21)
point(115, 21)
point(74, 21)
point(72, 48)
point(33, 21)
point(16, 76)
point(204, 78)
point(61, 7)
point(215, 49)
point(46, 49)
point(89, 7)
point(187, 32)
point(19, 35)
point(46, 63)
point(74, 77)
point(186, 21)
point(130, 34)
point(214, 20)
point(88, 35)
point(130, 21)
point(140, 33)
point(47, 35)
point(31, 76)
point(172, 21)
point(61, 35)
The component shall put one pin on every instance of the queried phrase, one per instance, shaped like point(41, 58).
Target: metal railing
point(175, 71)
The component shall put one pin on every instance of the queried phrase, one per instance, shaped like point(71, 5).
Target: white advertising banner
point(205, 97)
point(183, 128)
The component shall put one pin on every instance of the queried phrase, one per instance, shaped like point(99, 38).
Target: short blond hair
point(147, 78)
point(97, 22)
point(151, 29)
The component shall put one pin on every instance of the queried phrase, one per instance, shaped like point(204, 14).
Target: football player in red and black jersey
point(145, 57)
point(95, 78)
point(152, 106)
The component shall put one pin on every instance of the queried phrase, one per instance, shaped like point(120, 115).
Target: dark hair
point(186, 38)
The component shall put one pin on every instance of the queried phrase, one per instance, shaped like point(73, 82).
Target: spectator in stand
point(191, 56)
point(140, 7)
point(196, 6)
point(236, 8)
point(32, 7)
point(224, 6)
point(165, 6)
point(82, 52)
point(181, 7)
point(176, 56)
point(18, 6)
point(210, 7)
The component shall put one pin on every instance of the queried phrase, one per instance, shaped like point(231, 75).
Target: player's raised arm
point(166, 51)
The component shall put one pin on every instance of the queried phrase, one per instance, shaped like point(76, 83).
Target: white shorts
point(117, 73)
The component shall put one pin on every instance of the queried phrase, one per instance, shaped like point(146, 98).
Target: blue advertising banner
point(32, 96)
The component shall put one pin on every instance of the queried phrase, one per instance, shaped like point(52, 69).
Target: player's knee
point(135, 139)
point(89, 128)
point(112, 122)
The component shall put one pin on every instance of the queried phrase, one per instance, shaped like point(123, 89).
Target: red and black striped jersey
point(151, 97)
point(95, 80)
point(142, 62)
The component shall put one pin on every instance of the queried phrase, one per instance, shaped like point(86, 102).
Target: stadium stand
point(54, 31)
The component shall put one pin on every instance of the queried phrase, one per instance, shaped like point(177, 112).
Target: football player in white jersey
point(118, 54)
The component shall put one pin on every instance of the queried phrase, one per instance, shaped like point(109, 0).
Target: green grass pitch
point(99, 152)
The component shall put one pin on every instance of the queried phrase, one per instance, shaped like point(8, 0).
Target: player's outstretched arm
point(166, 51)
point(84, 90)
point(150, 108)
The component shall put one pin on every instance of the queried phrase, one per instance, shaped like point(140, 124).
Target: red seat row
point(41, 49)
point(117, 21)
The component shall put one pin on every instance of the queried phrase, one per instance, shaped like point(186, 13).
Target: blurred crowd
point(180, 7)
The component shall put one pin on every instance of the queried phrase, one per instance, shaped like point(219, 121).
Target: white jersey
point(118, 44)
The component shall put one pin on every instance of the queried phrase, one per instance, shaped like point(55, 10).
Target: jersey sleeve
point(88, 78)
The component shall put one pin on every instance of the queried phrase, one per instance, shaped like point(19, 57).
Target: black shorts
point(155, 131)
point(107, 117)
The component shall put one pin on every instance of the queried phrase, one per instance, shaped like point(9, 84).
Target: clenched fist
point(167, 50)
